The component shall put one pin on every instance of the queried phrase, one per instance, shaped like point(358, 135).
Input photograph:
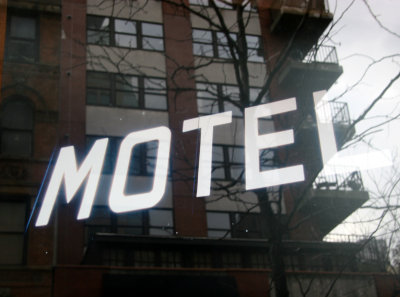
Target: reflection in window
point(17, 127)
point(130, 91)
point(124, 33)
point(143, 158)
point(209, 43)
point(22, 41)
point(214, 98)
point(12, 227)
point(234, 224)
point(146, 222)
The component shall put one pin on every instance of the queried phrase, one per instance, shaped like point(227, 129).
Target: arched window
point(16, 127)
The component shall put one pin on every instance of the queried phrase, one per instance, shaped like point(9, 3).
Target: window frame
point(234, 230)
point(139, 35)
point(23, 200)
point(217, 42)
point(112, 153)
point(141, 92)
point(35, 42)
point(218, 97)
point(114, 225)
point(3, 128)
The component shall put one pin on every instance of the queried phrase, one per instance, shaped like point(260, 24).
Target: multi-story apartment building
point(76, 71)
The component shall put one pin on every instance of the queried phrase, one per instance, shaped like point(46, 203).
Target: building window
point(22, 39)
point(234, 225)
point(109, 89)
point(209, 43)
point(124, 33)
point(146, 222)
point(143, 159)
point(13, 215)
point(17, 127)
point(222, 4)
point(214, 98)
point(228, 162)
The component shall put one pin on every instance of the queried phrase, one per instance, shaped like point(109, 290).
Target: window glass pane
point(125, 26)
point(98, 97)
point(224, 52)
point(218, 154)
point(154, 85)
point(23, 27)
point(218, 171)
point(11, 246)
point(218, 220)
point(130, 219)
point(152, 149)
point(16, 143)
point(237, 171)
point(206, 91)
point(12, 217)
point(207, 106)
point(236, 154)
point(17, 115)
point(152, 30)
point(161, 218)
point(231, 91)
point(98, 37)
point(98, 23)
point(127, 83)
point(202, 36)
point(156, 44)
point(125, 40)
point(228, 106)
point(127, 99)
point(201, 49)
point(98, 80)
point(221, 38)
point(21, 50)
point(99, 216)
point(155, 102)
point(219, 233)
point(161, 231)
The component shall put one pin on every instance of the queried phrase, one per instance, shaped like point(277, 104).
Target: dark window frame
point(217, 42)
point(214, 93)
point(4, 129)
point(139, 35)
point(35, 42)
point(235, 229)
point(140, 154)
point(141, 90)
point(114, 226)
point(24, 200)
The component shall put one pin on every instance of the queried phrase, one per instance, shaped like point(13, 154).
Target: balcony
point(341, 123)
point(315, 71)
point(331, 199)
point(308, 19)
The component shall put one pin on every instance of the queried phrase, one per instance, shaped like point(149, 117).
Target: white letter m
point(66, 169)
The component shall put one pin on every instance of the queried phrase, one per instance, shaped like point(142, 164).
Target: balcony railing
point(341, 182)
point(322, 54)
point(340, 113)
point(302, 4)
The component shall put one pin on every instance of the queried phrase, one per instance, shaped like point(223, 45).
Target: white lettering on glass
point(206, 125)
point(254, 142)
point(66, 169)
point(118, 200)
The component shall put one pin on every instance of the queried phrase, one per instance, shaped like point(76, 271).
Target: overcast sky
point(359, 40)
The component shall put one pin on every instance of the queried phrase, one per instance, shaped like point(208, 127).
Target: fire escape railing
point(322, 54)
point(303, 4)
point(341, 182)
point(340, 113)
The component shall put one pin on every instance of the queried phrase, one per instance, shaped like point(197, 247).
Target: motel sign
point(67, 171)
